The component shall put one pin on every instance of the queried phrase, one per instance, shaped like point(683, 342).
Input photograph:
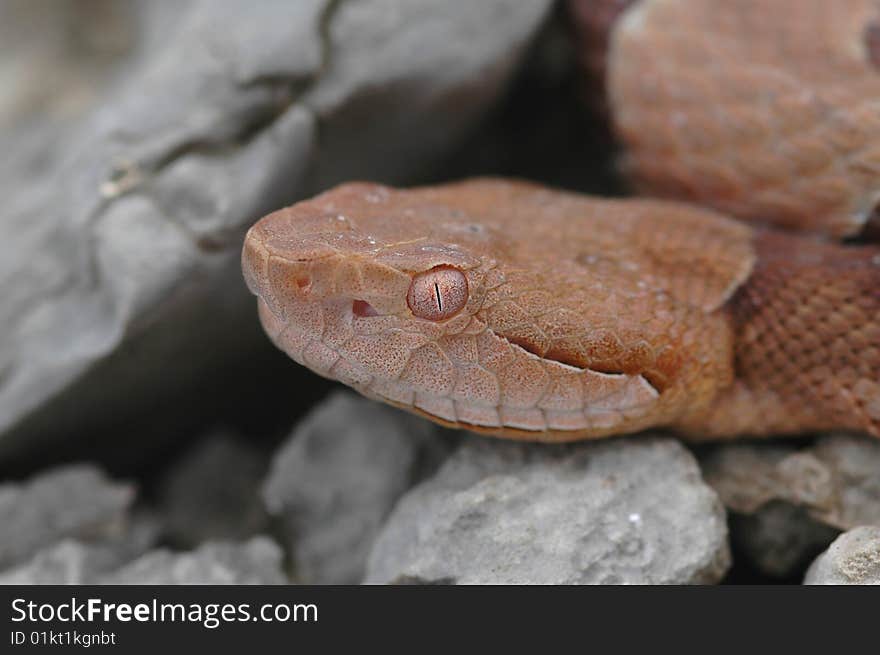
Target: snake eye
point(437, 294)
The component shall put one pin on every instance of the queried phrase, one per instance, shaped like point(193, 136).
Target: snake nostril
point(363, 309)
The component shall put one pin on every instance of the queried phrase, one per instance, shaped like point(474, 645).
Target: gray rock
point(76, 501)
point(790, 503)
point(257, 561)
point(75, 562)
point(618, 512)
point(749, 475)
point(113, 258)
point(67, 562)
point(854, 464)
point(64, 54)
point(853, 558)
point(213, 492)
point(336, 479)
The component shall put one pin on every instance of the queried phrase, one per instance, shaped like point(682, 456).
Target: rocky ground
point(150, 434)
point(360, 492)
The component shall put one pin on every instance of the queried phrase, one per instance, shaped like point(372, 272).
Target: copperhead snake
point(520, 311)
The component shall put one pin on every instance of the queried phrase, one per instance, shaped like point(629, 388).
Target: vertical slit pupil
point(439, 301)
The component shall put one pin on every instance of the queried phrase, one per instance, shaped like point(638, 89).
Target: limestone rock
point(853, 558)
point(829, 486)
point(76, 501)
point(616, 512)
point(335, 480)
point(119, 267)
point(257, 561)
point(67, 562)
point(75, 562)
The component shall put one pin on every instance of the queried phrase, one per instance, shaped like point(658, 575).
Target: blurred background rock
point(143, 139)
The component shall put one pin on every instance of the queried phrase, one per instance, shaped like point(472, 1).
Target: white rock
point(853, 558)
point(257, 561)
point(119, 266)
point(789, 503)
point(616, 512)
point(336, 479)
point(75, 501)
point(75, 562)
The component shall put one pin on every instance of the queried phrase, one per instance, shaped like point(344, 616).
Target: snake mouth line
point(567, 362)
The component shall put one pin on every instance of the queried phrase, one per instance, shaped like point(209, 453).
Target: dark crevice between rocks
point(540, 129)
point(745, 570)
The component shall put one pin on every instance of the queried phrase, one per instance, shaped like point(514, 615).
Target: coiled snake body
point(525, 312)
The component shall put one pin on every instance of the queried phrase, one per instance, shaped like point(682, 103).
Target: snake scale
point(525, 312)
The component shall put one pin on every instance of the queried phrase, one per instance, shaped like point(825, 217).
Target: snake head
point(491, 305)
point(364, 297)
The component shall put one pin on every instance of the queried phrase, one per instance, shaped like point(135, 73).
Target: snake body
point(525, 312)
point(767, 110)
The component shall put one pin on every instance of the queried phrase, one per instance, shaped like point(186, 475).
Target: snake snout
point(254, 261)
point(284, 268)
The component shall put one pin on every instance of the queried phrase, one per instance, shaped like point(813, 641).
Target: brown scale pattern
point(807, 327)
point(764, 109)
